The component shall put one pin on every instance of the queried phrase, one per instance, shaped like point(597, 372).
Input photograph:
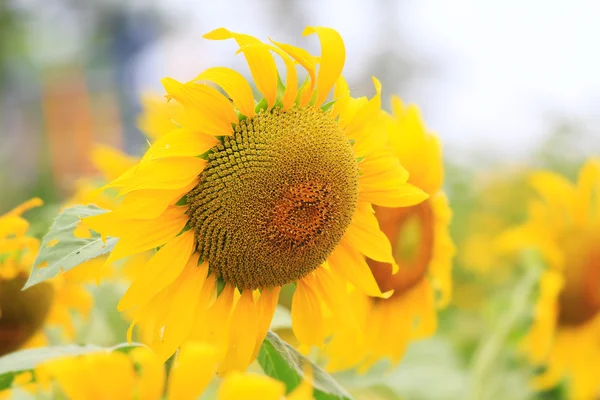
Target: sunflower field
point(282, 220)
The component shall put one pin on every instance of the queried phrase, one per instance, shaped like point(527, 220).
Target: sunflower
point(564, 225)
point(492, 202)
point(51, 305)
point(22, 314)
point(422, 250)
point(110, 164)
point(499, 202)
point(242, 197)
point(140, 374)
point(25, 314)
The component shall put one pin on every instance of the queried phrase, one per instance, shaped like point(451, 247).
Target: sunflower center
point(579, 300)
point(275, 198)
point(411, 233)
point(22, 313)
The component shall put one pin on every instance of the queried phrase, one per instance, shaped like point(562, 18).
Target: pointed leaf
point(281, 361)
point(68, 244)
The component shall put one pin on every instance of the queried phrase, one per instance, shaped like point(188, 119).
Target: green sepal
point(220, 286)
point(262, 105)
point(182, 201)
point(327, 106)
point(301, 90)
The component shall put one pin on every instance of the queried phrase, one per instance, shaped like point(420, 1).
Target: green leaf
point(281, 361)
point(69, 251)
point(18, 362)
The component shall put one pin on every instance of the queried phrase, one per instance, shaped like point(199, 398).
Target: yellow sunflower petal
point(555, 190)
point(137, 236)
point(28, 205)
point(162, 269)
point(215, 329)
point(151, 376)
point(261, 63)
point(365, 115)
point(307, 60)
point(341, 94)
point(208, 110)
point(332, 290)
point(235, 85)
point(242, 339)
point(291, 83)
point(349, 263)
point(111, 162)
point(307, 319)
point(383, 182)
point(365, 236)
point(250, 386)
point(192, 372)
point(203, 305)
point(266, 308)
point(180, 316)
point(159, 116)
point(166, 173)
point(13, 225)
point(150, 203)
point(333, 57)
point(180, 143)
point(421, 302)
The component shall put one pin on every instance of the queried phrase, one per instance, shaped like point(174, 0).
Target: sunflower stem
point(484, 366)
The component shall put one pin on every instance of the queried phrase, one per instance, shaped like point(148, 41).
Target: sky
point(498, 68)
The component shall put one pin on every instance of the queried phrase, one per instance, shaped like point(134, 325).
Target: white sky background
point(499, 67)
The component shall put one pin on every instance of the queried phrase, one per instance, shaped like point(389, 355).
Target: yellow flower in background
point(110, 163)
point(24, 314)
point(140, 374)
point(249, 386)
point(243, 198)
point(564, 225)
point(495, 200)
point(422, 249)
point(499, 202)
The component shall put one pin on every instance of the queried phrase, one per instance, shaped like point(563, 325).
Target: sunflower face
point(411, 232)
point(22, 313)
point(579, 300)
point(564, 226)
point(245, 195)
point(275, 198)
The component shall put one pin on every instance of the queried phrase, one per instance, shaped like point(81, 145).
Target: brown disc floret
point(275, 198)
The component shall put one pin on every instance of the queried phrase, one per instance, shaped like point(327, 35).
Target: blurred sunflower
point(140, 374)
point(24, 314)
point(422, 250)
point(499, 201)
point(244, 197)
point(495, 200)
point(110, 164)
point(564, 225)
